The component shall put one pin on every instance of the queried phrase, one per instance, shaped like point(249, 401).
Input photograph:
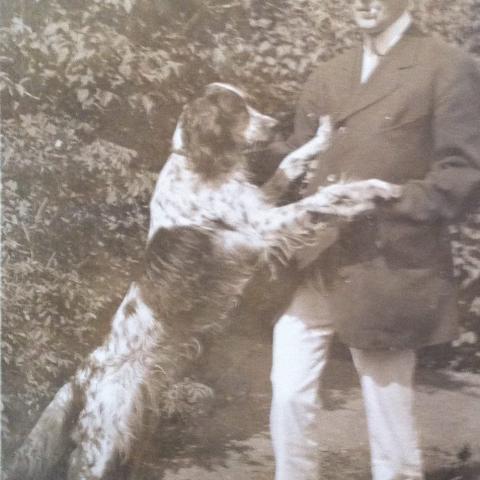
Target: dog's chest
point(183, 198)
point(234, 202)
point(230, 209)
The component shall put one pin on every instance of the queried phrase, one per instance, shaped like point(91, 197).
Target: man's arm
point(454, 179)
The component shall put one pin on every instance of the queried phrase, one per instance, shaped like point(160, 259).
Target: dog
point(210, 230)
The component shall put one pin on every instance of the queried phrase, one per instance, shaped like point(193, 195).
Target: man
point(406, 109)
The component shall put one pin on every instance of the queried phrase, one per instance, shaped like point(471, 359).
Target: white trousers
point(302, 338)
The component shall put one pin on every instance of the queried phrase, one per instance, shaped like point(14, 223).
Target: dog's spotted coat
point(210, 230)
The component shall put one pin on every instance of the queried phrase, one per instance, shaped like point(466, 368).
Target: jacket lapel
point(386, 78)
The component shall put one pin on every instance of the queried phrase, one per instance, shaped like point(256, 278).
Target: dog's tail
point(49, 438)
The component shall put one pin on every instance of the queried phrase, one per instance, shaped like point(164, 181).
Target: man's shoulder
point(433, 51)
point(443, 54)
point(434, 44)
point(339, 61)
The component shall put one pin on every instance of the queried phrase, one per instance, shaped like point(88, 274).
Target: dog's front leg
point(295, 163)
point(350, 199)
point(312, 220)
point(299, 162)
point(286, 230)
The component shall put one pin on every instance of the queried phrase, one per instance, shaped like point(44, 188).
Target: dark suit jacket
point(415, 122)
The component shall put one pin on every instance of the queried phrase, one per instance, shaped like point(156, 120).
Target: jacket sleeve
point(454, 179)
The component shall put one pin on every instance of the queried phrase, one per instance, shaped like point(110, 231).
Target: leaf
point(125, 69)
point(20, 89)
point(82, 94)
point(147, 103)
point(11, 185)
point(111, 197)
point(87, 79)
point(175, 67)
point(63, 54)
point(23, 208)
point(51, 29)
point(48, 73)
point(128, 5)
point(18, 26)
point(475, 306)
point(105, 98)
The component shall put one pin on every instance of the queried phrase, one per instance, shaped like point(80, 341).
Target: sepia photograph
point(240, 239)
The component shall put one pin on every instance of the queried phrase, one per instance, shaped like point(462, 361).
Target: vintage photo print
point(240, 239)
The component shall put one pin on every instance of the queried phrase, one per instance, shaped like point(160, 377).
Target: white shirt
point(384, 41)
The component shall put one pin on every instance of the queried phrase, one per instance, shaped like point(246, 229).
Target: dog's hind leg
point(110, 422)
point(124, 381)
point(122, 410)
point(49, 439)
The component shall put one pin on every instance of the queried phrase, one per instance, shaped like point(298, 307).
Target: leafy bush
point(90, 94)
point(74, 223)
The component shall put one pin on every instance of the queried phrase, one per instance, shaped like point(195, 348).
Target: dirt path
point(234, 444)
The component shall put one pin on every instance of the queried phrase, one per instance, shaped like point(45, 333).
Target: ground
point(232, 443)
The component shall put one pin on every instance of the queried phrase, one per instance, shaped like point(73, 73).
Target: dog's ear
point(208, 137)
point(213, 132)
point(202, 126)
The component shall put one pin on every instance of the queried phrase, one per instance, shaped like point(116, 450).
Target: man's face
point(374, 16)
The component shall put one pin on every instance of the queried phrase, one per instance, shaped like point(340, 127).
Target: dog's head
point(215, 129)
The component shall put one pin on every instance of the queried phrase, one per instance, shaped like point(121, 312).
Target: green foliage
point(90, 93)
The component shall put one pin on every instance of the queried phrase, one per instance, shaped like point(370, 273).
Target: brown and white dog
point(211, 229)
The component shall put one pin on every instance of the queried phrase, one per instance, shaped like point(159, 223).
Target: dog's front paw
point(379, 189)
point(295, 165)
point(349, 200)
point(363, 191)
point(299, 162)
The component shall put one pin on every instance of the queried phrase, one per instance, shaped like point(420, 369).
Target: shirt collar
point(385, 40)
